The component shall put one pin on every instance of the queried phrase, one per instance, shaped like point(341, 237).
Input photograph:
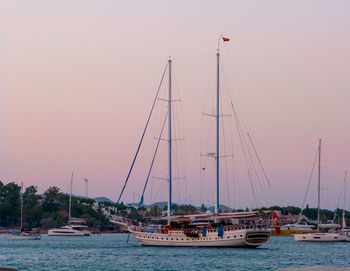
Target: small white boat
point(326, 232)
point(320, 237)
point(24, 236)
point(70, 230)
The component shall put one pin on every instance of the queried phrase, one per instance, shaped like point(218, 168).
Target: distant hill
point(102, 199)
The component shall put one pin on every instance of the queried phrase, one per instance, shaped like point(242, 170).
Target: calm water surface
point(111, 252)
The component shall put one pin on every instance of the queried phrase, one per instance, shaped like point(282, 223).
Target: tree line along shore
point(50, 210)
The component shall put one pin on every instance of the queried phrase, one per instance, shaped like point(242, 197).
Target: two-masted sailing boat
point(74, 227)
point(325, 232)
point(23, 234)
point(203, 230)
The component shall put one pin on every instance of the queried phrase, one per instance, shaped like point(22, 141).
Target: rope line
point(143, 135)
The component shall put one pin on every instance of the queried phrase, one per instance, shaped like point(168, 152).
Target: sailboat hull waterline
point(320, 237)
point(231, 238)
point(24, 237)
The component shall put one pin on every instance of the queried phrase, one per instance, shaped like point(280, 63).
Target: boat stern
point(257, 238)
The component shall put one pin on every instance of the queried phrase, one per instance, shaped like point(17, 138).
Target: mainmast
point(169, 139)
point(217, 201)
point(70, 197)
point(319, 184)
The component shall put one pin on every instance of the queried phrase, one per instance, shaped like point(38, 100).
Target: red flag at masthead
point(225, 39)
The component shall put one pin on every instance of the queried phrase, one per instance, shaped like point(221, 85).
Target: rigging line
point(308, 185)
point(191, 57)
point(250, 155)
point(237, 85)
point(182, 126)
point(244, 154)
point(154, 157)
point(143, 135)
point(160, 189)
point(340, 194)
point(257, 156)
point(190, 87)
point(223, 133)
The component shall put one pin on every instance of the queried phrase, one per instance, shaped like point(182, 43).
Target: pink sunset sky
point(77, 80)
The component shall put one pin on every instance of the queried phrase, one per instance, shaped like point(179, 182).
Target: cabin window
point(182, 239)
point(177, 239)
point(188, 239)
point(228, 237)
point(167, 238)
point(171, 238)
point(234, 236)
point(241, 235)
point(157, 237)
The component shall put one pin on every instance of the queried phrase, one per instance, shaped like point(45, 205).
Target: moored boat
point(214, 230)
point(326, 232)
point(24, 234)
point(74, 226)
point(209, 231)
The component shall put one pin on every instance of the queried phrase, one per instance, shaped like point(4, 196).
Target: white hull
point(234, 238)
point(61, 232)
point(320, 237)
point(24, 237)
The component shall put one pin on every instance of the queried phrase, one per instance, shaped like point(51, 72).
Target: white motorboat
point(70, 230)
point(74, 227)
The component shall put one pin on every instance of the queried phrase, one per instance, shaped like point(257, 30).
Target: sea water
point(113, 252)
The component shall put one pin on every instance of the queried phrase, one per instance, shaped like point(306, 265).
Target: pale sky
point(78, 78)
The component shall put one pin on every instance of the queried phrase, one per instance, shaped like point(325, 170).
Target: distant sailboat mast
point(319, 184)
point(70, 197)
point(343, 221)
point(21, 206)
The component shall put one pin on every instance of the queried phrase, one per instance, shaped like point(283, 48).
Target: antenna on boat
point(86, 187)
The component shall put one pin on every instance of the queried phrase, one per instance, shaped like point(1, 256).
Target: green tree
point(10, 204)
point(32, 209)
point(52, 199)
